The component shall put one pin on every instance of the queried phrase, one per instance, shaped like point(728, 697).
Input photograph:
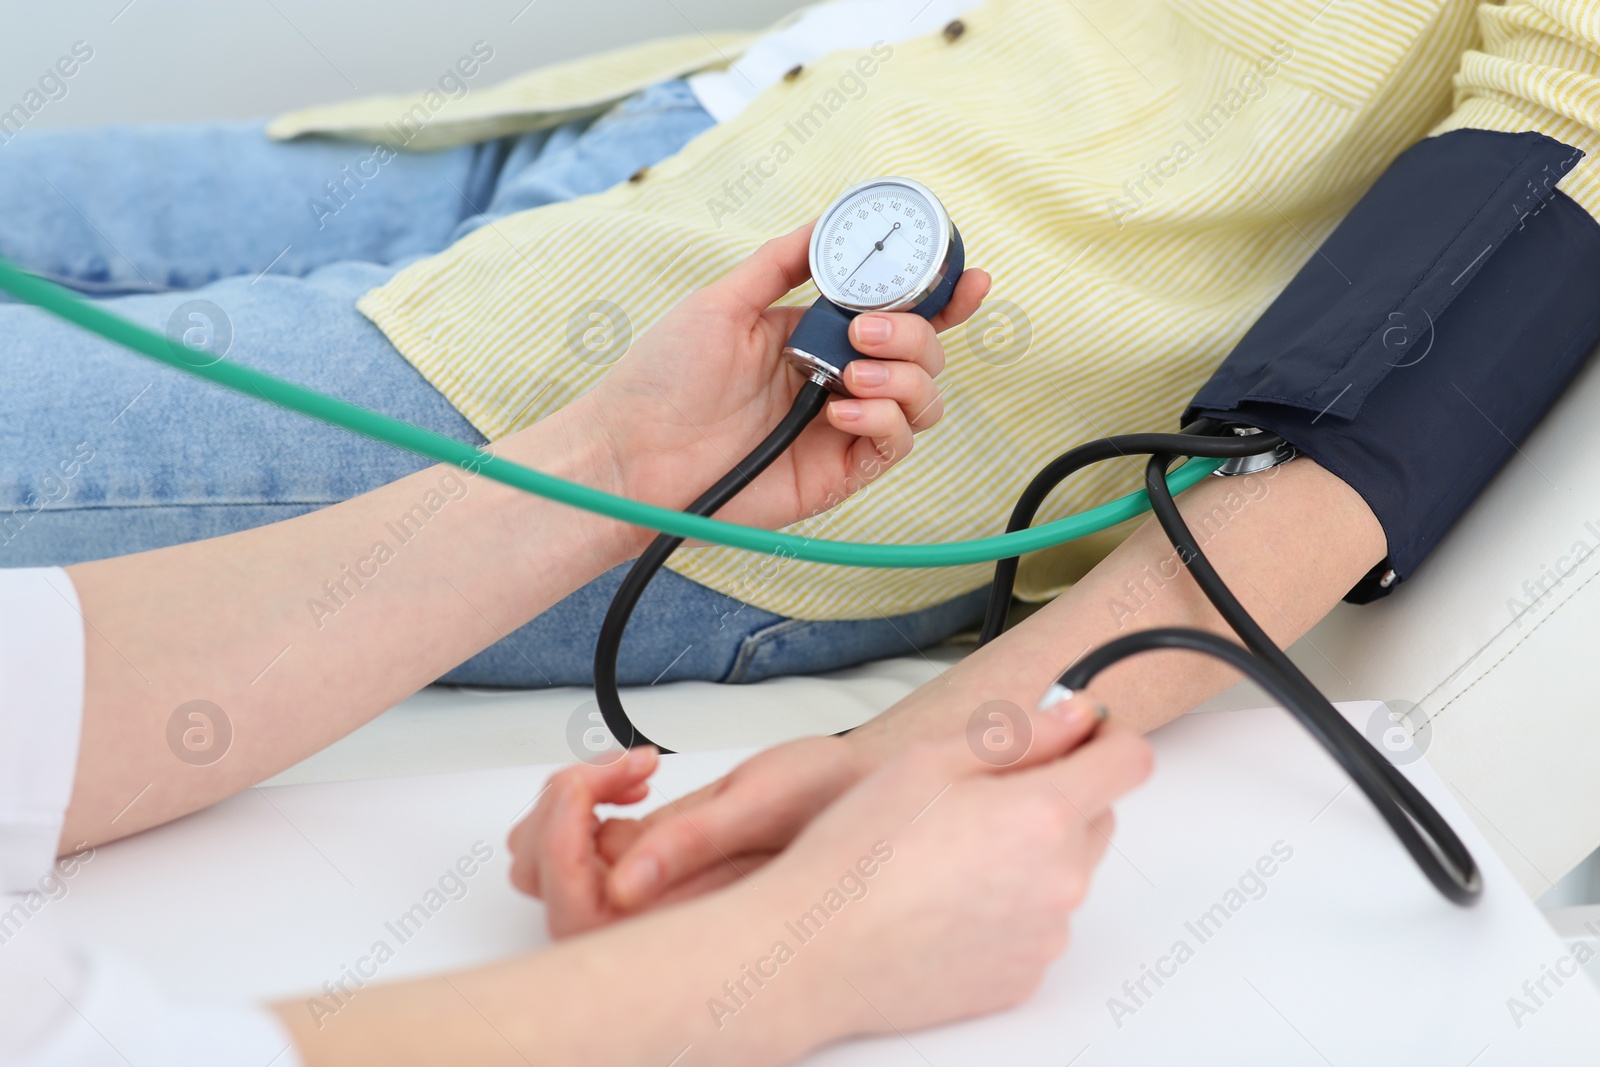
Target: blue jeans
point(257, 251)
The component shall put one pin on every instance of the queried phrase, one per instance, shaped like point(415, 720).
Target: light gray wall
point(184, 60)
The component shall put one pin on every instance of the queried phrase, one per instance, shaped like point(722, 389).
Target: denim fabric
point(159, 208)
point(681, 630)
point(103, 453)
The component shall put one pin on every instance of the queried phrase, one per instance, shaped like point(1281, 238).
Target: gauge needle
point(876, 248)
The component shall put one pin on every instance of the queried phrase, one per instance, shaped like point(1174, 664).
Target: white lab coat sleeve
point(64, 1004)
point(41, 714)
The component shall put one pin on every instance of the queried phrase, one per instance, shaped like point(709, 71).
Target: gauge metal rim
point(931, 281)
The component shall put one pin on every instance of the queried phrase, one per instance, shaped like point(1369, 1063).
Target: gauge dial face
point(883, 245)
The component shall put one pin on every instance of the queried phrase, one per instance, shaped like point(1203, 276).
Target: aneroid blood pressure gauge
point(885, 245)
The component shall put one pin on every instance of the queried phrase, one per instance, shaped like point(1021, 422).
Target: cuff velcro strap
point(1429, 333)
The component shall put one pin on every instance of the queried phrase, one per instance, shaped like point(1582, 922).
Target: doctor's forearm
point(1290, 542)
point(295, 634)
point(638, 992)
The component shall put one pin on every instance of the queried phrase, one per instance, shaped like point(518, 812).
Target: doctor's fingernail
point(868, 372)
point(874, 328)
point(1055, 699)
point(1077, 714)
point(846, 410)
point(1075, 710)
point(638, 877)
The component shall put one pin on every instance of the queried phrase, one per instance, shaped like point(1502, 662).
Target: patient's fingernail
point(639, 877)
point(846, 410)
point(874, 329)
point(868, 372)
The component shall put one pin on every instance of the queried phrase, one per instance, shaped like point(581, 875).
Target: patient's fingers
point(571, 873)
point(616, 836)
point(571, 795)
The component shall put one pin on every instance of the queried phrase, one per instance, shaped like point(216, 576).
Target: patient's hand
point(566, 855)
point(719, 834)
point(946, 887)
point(708, 382)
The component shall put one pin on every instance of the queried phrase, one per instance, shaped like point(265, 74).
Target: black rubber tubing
point(808, 404)
point(1188, 443)
point(1443, 858)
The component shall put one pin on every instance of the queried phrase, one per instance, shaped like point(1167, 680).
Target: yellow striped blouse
point(1140, 177)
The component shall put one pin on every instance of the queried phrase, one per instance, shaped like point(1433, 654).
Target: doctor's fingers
point(902, 336)
point(758, 808)
point(897, 337)
point(701, 845)
point(771, 271)
point(1098, 838)
point(883, 436)
point(1064, 844)
point(1095, 775)
point(971, 291)
point(919, 396)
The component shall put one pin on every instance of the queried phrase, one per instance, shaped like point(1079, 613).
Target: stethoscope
point(884, 245)
point(890, 245)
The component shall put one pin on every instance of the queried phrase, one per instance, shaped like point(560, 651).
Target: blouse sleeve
point(1450, 309)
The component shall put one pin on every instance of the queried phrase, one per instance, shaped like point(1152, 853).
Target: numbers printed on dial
point(875, 247)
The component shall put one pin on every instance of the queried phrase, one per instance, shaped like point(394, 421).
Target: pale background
point(186, 60)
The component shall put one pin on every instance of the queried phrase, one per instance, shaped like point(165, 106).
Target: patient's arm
point(1289, 542)
point(301, 631)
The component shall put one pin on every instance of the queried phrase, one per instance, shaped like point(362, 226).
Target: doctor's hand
point(937, 888)
point(704, 385)
point(979, 870)
point(566, 855)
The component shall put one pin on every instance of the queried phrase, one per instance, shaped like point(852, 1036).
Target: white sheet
point(1494, 638)
point(1350, 957)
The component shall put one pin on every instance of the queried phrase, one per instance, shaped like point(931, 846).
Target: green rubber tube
point(67, 305)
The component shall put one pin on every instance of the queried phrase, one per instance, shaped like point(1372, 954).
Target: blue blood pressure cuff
point(1428, 335)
